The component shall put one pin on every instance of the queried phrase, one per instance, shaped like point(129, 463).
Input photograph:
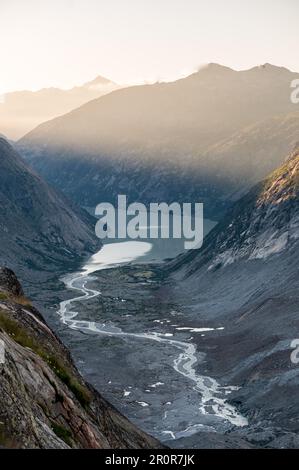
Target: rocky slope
point(262, 223)
point(44, 402)
point(186, 140)
point(246, 280)
point(22, 111)
point(39, 229)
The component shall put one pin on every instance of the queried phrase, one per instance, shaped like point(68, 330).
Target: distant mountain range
point(205, 137)
point(40, 231)
point(21, 111)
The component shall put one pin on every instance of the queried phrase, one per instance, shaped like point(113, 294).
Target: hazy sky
point(67, 42)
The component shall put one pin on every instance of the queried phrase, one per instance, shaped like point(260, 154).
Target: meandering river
point(211, 398)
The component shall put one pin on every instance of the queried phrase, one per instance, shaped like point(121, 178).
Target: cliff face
point(44, 402)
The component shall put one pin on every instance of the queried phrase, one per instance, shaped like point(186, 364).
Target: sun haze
point(64, 43)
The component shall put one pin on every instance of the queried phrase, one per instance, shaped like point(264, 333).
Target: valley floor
point(138, 375)
point(202, 362)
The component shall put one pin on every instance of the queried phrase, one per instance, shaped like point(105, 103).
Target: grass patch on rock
point(63, 433)
point(61, 370)
point(18, 299)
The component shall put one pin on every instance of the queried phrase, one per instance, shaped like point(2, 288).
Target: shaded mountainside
point(22, 111)
point(246, 280)
point(39, 229)
point(251, 154)
point(165, 141)
point(44, 402)
point(263, 222)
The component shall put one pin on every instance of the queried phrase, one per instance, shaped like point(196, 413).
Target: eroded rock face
point(44, 402)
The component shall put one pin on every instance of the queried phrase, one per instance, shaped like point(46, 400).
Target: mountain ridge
point(166, 135)
point(21, 111)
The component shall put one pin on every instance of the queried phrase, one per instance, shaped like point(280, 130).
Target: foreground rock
point(44, 402)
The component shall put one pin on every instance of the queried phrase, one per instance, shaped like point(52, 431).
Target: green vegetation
point(80, 392)
point(144, 274)
point(5, 439)
point(63, 433)
point(20, 299)
point(18, 333)
point(62, 371)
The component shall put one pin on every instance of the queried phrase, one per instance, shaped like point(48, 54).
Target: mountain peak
point(24, 110)
point(214, 67)
point(98, 82)
point(270, 68)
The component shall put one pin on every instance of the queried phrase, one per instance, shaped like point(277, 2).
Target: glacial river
point(208, 397)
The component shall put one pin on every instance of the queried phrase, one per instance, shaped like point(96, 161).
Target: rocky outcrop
point(44, 402)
